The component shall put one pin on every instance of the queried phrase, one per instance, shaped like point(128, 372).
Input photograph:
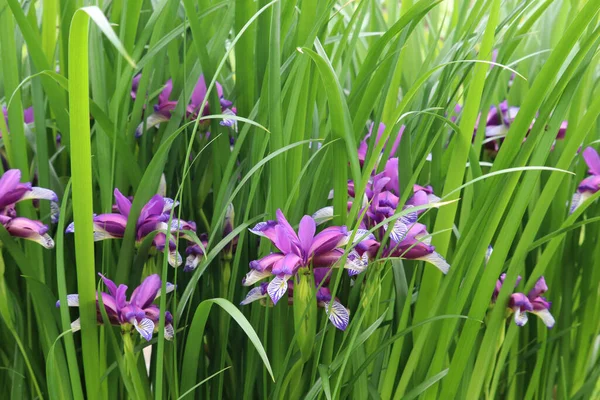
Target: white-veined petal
point(169, 332)
point(338, 315)
point(253, 295)
point(277, 288)
point(355, 264)
point(145, 327)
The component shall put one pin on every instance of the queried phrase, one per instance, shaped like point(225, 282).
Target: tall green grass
point(308, 79)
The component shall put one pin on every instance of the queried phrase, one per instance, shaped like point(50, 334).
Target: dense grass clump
point(300, 199)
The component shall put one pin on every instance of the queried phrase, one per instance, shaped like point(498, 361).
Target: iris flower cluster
point(138, 313)
point(154, 219)
point(164, 105)
point(12, 191)
point(306, 250)
point(532, 303)
point(497, 123)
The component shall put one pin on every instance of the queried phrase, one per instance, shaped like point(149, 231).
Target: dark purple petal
point(519, 300)
point(145, 294)
point(154, 207)
point(540, 303)
point(322, 276)
point(113, 224)
point(327, 240)
point(134, 85)
point(327, 259)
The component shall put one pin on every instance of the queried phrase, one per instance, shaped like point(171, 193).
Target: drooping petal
point(38, 193)
point(254, 276)
point(338, 315)
point(592, 159)
point(191, 262)
point(31, 230)
point(520, 316)
point(355, 263)
point(145, 328)
point(323, 215)
point(72, 301)
point(437, 260)
point(153, 120)
point(76, 325)
point(254, 294)
point(277, 288)
point(9, 180)
point(170, 287)
point(169, 332)
point(545, 316)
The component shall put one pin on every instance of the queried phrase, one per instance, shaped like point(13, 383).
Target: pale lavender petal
point(145, 328)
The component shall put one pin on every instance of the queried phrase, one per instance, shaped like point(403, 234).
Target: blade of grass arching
point(194, 344)
point(73, 365)
point(202, 382)
point(81, 170)
point(341, 125)
point(445, 217)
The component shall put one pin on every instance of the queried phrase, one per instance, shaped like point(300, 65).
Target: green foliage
point(307, 79)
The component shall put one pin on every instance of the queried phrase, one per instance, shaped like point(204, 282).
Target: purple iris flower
point(195, 254)
point(533, 302)
point(12, 191)
point(364, 144)
point(497, 124)
point(164, 106)
point(154, 216)
point(591, 184)
point(27, 116)
point(137, 313)
point(337, 313)
point(296, 250)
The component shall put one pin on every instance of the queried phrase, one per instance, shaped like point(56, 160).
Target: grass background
point(306, 72)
